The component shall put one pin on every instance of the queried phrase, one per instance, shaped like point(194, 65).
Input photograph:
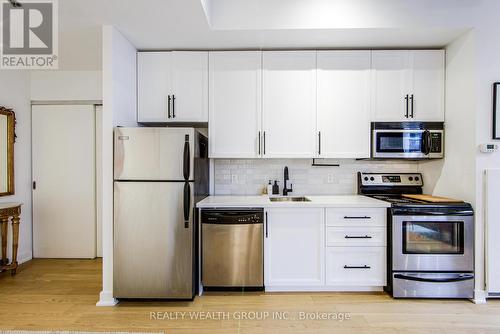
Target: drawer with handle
point(356, 236)
point(356, 266)
point(356, 217)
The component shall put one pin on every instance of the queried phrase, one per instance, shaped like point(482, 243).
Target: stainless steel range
point(431, 245)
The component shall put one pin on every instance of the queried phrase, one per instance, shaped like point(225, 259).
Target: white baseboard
point(479, 297)
point(25, 257)
point(106, 299)
point(323, 288)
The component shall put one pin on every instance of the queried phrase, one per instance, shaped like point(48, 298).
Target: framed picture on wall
point(496, 110)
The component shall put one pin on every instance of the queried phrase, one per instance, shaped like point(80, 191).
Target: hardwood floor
point(61, 295)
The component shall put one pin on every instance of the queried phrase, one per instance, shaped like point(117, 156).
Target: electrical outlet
point(234, 178)
point(330, 178)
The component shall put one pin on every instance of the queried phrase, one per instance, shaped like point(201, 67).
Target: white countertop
point(340, 201)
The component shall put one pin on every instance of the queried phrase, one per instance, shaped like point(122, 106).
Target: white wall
point(487, 72)
point(120, 60)
point(15, 88)
point(66, 85)
point(455, 176)
point(119, 108)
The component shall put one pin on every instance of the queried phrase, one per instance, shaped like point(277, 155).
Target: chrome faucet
point(286, 178)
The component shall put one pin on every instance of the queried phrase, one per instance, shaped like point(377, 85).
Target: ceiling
point(213, 24)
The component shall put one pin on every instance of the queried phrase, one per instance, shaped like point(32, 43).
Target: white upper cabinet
point(390, 85)
point(428, 78)
point(343, 97)
point(289, 104)
point(408, 85)
point(154, 86)
point(235, 104)
point(172, 86)
point(189, 86)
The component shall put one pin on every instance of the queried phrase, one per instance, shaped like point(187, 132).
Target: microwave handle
point(426, 142)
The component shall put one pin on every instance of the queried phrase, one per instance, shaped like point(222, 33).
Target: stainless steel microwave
point(408, 140)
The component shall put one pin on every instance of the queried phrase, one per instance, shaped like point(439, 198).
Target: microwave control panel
point(436, 142)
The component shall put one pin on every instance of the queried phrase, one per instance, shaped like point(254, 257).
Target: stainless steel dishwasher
point(232, 248)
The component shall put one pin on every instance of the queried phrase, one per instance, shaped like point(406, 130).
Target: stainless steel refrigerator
point(160, 173)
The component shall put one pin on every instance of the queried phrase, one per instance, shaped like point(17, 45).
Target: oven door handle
point(459, 278)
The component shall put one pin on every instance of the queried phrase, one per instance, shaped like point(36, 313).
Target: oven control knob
point(372, 178)
point(411, 178)
point(417, 178)
point(366, 178)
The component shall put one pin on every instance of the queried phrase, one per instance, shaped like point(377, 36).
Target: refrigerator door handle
point(187, 159)
point(187, 203)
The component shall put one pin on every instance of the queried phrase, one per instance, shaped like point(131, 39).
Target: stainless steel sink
point(289, 199)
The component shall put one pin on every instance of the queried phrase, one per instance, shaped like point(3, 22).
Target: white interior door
point(63, 149)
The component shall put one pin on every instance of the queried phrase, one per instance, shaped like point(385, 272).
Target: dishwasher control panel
point(232, 216)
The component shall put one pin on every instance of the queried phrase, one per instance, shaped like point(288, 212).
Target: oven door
point(406, 143)
point(432, 243)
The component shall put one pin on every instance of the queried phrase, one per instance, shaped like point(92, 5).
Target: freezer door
point(153, 243)
point(159, 154)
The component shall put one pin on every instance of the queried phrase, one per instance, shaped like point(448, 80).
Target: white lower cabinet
point(356, 266)
point(318, 249)
point(294, 249)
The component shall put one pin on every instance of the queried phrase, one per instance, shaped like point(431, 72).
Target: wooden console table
point(9, 211)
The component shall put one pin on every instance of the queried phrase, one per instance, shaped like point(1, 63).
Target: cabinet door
point(235, 104)
point(190, 86)
point(289, 104)
point(153, 86)
point(294, 248)
point(391, 71)
point(428, 85)
point(343, 118)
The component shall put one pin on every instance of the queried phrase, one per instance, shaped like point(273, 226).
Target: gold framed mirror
point(7, 139)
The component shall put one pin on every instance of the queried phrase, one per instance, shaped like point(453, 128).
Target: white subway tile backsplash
point(252, 176)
